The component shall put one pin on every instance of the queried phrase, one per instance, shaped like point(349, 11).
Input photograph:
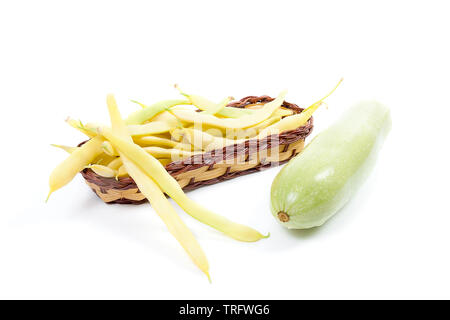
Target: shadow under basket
point(214, 166)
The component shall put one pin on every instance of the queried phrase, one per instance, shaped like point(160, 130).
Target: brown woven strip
point(214, 166)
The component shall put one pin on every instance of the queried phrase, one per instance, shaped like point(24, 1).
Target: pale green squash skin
point(318, 182)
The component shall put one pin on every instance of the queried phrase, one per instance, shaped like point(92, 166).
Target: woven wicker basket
point(213, 166)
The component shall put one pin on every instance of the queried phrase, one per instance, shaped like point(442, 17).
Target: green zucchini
point(318, 182)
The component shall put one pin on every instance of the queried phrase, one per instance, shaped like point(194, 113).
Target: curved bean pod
point(76, 162)
point(246, 121)
point(212, 108)
point(157, 199)
point(103, 171)
point(65, 148)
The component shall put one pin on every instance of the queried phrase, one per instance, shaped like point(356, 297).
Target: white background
point(61, 58)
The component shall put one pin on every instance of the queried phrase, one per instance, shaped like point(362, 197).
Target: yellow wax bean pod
point(289, 123)
point(65, 148)
point(76, 162)
point(109, 149)
point(212, 142)
point(168, 215)
point(177, 134)
point(205, 140)
point(265, 123)
point(164, 117)
point(204, 104)
point(254, 106)
point(122, 172)
point(77, 124)
point(210, 139)
point(167, 115)
point(151, 128)
point(165, 161)
point(148, 112)
point(154, 141)
point(161, 142)
point(103, 171)
point(175, 154)
point(67, 170)
point(212, 108)
point(252, 131)
point(282, 112)
point(92, 126)
point(139, 130)
point(276, 115)
point(297, 120)
point(157, 199)
point(232, 112)
point(286, 124)
point(185, 136)
point(153, 168)
point(220, 144)
point(218, 107)
point(115, 164)
point(103, 159)
point(243, 122)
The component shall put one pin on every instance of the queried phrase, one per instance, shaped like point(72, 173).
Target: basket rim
point(212, 157)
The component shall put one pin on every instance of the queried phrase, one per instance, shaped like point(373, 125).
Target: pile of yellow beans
point(155, 135)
